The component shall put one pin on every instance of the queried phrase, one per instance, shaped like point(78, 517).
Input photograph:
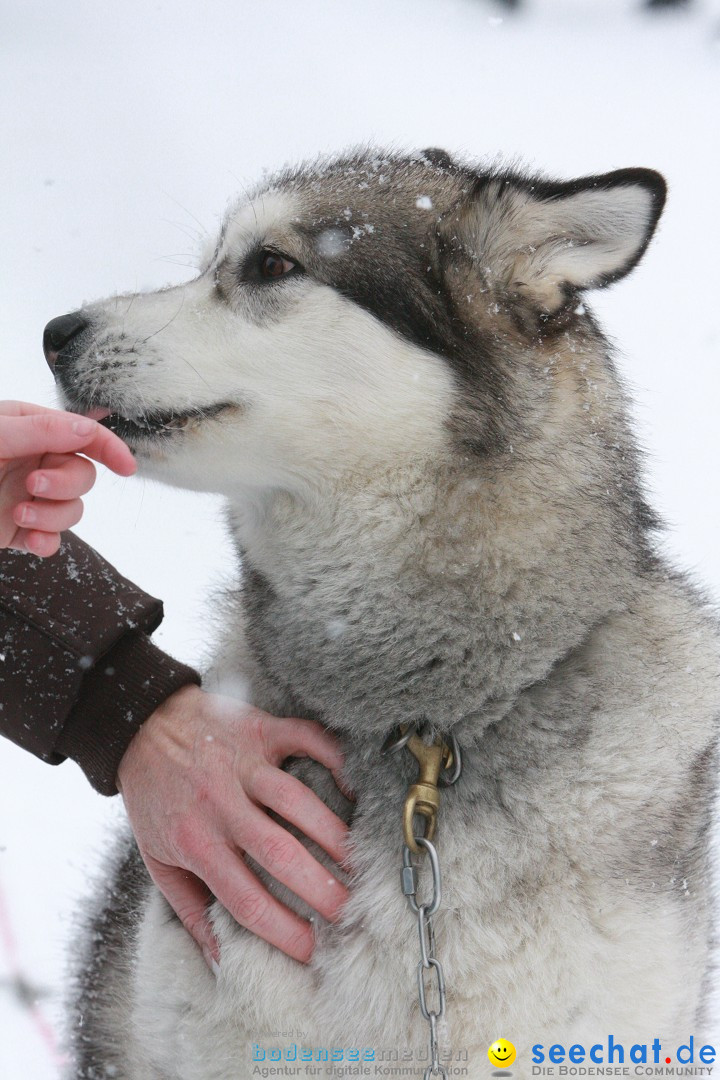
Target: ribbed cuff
point(117, 696)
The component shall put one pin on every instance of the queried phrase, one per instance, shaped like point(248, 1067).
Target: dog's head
point(354, 313)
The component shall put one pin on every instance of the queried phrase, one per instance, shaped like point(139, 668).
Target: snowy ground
point(126, 127)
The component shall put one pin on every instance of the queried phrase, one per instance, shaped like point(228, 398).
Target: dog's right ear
point(437, 157)
point(545, 240)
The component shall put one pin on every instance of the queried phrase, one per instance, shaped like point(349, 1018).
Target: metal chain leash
point(428, 961)
point(423, 798)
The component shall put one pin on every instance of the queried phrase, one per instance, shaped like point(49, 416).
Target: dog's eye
point(273, 266)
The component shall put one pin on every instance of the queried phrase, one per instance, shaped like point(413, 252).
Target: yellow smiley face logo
point(501, 1053)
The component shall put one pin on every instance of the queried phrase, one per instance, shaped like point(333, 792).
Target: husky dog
point(388, 366)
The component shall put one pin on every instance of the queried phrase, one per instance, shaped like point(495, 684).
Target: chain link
point(428, 960)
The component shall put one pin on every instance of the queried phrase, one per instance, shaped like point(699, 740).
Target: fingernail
point(83, 427)
point(28, 516)
point(41, 484)
point(211, 961)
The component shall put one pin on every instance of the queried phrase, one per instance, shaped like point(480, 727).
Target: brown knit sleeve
point(78, 672)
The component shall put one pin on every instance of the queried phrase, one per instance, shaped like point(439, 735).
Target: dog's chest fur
point(559, 699)
point(544, 858)
point(422, 594)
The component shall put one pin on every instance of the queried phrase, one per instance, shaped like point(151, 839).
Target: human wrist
point(161, 732)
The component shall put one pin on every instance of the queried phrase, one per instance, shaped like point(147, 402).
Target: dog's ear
point(437, 157)
point(546, 240)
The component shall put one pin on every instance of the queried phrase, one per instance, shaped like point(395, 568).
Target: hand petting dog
point(197, 780)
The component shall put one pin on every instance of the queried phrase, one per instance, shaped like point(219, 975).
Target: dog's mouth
point(156, 424)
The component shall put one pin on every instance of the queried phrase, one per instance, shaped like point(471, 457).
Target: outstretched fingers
point(250, 904)
point(305, 738)
point(290, 862)
point(292, 800)
point(189, 898)
point(28, 430)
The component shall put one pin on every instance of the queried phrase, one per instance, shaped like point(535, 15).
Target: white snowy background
point(126, 127)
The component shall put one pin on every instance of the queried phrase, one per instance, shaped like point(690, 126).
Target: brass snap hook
point(423, 797)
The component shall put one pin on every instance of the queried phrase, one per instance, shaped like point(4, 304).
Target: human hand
point(196, 780)
point(40, 457)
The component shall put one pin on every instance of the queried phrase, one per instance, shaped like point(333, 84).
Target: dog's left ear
point(546, 240)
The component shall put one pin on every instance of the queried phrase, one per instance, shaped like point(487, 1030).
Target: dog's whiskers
point(202, 231)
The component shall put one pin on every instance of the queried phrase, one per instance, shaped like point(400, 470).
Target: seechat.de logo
point(615, 1053)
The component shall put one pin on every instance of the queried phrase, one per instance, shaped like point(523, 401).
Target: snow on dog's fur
point(388, 367)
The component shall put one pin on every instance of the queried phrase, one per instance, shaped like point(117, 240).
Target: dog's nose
point(59, 333)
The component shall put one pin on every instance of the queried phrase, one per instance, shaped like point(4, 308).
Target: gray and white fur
point(435, 496)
